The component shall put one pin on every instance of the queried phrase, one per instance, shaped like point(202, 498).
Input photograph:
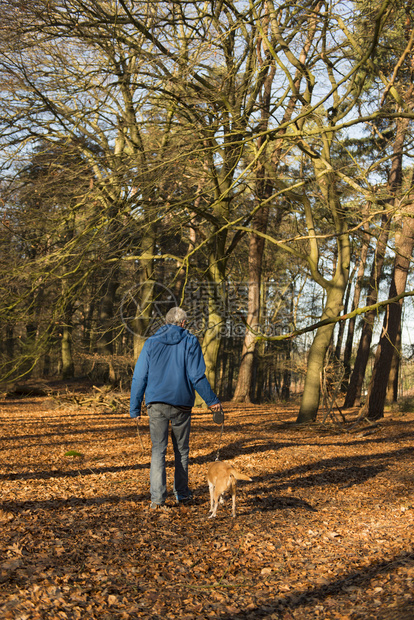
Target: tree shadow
point(234, 448)
point(350, 464)
point(352, 475)
point(66, 432)
point(271, 502)
point(74, 473)
point(58, 504)
point(345, 470)
point(317, 594)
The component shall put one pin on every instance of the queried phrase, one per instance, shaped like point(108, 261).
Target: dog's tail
point(239, 476)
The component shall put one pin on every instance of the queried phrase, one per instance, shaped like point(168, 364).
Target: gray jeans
point(160, 416)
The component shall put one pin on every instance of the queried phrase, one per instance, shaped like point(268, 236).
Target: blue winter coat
point(169, 370)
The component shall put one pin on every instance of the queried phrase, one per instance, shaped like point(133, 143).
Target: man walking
point(169, 370)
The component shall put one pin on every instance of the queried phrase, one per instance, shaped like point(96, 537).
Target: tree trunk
point(28, 360)
point(9, 341)
point(216, 302)
point(244, 383)
point(213, 334)
point(88, 336)
point(353, 394)
point(374, 406)
point(106, 325)
point(106, 314)
point(235, 352)
point(335, 288)
point(287, 373)
point(311, 393)
point(141, 322)
point(66, 352)
point(256, 249)
point(341, 330)
point(259, 371)
point(392, 388)
point(68, 369)
point(287, 363)
point(257, 243)
point(355, 304)
point(144, 301)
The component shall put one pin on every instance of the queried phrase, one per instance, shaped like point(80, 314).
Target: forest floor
point(324, 530)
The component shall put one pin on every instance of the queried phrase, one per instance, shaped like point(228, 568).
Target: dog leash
point(139, 436)
point(218, 417)
point(218, 449)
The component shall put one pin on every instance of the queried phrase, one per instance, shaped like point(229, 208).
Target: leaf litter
point(325, 530)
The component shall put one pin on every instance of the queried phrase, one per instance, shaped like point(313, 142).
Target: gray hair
point(175, 316)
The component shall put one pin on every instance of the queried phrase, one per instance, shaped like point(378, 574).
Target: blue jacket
point(169, 370)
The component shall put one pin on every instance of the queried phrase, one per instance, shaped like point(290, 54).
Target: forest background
point(249, 160)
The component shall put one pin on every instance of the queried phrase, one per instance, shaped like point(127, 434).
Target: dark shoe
point(185, 501)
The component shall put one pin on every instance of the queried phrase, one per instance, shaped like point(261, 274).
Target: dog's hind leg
point(216, 498)
point(214, 511)
point(211, 489)
point(233, 495)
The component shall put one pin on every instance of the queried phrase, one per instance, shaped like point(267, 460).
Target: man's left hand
point(215, 407)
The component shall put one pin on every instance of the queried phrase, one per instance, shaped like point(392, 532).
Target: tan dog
point(222, 477)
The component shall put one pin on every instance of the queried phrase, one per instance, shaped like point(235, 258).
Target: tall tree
point(363, 255)
point(396, 59)
point(264, 185)
point(374, 405)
